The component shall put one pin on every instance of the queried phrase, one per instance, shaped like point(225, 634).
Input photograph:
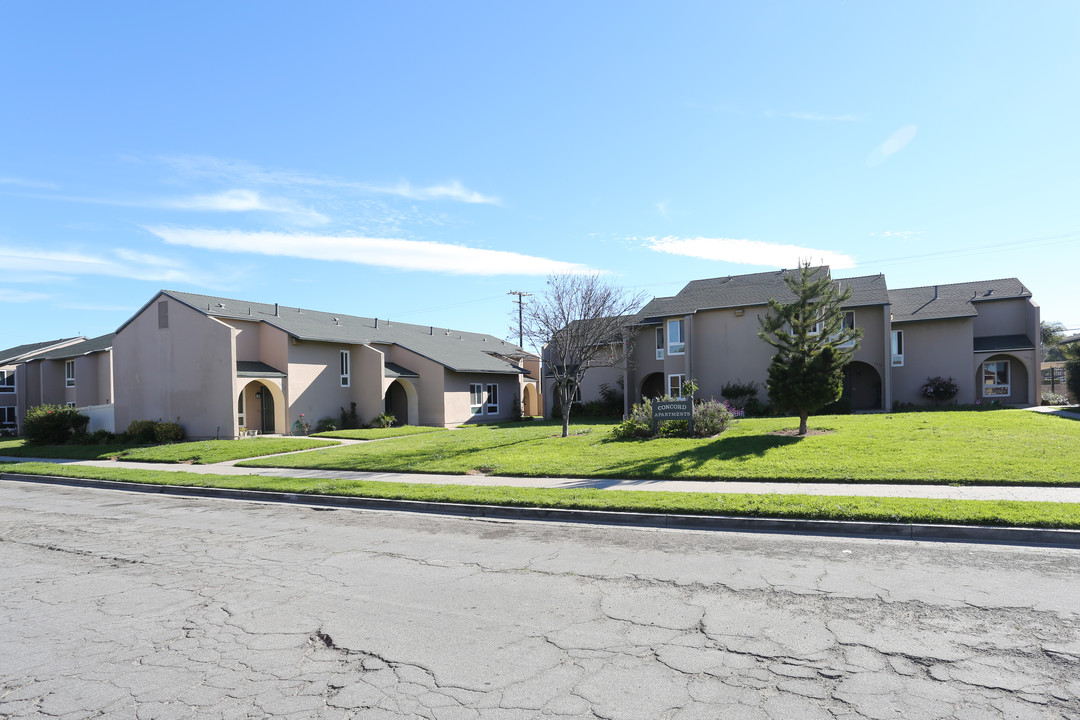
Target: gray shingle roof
point(754, 289)
point(93, 345)
point(15, 353)
point(958, 300)
point(455, 349)
point(997, 343)
point(256, 369)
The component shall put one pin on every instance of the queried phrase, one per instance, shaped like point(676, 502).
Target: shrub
point(384, 420)
point(939, 389)
point(168, 432)
point(515, 409)
point(712, 418)
point(349, 420)
point(1054, 399)
point(638, 423)
point(53, 424)
point(100, 437)
point(1072, 371)
point(326, 424)
point(740, 394)
point(142, 432)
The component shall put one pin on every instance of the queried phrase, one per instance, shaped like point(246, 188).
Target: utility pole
point(521, 306)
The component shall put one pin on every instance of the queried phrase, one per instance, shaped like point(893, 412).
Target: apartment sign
point(677, 409)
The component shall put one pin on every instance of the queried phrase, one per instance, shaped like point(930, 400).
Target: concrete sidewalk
point(952, 492)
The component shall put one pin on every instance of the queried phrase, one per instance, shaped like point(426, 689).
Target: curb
point(723, 523)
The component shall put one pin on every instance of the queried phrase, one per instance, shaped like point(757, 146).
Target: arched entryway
point(862, 386)
point(400, 401)
point(1004, 378)
point(260, 408)
point(530, 401)
point(653, 385)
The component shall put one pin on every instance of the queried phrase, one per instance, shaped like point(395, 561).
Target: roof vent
point(988, 293)
point(935, 291)
point(277, 310)
point(221, 305)
point(299, 311)
point(376, 323)
point(337, 322)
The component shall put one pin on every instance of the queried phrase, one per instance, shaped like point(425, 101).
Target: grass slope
point(1001, 447)
point(378, 433)
point(807, 507)
point(204, 452)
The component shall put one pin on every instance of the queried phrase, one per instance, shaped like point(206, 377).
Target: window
point(996, 379)
point(660, 343)
point(70, 404)
point(7, 381)
point(675, 383)
point(163, 314)
point(676, 337)
point(69, 373)
point(7, 415)
point(241, 417)
point(492, 399)
point(476, 398)
point(897, 348)
point(344, 368)
point(848, 323)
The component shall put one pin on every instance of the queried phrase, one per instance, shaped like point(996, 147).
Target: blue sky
point(418, 161)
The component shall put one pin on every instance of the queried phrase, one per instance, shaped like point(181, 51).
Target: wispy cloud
point(894, 144)
point(28, 183)
point(816, 117)
point(121, 263)
point(749, 252)
point(242, 173)
point(380, 252)
point(20, 296)
point(247, 201)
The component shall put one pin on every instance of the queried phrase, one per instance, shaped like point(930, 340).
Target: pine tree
point(812, 343)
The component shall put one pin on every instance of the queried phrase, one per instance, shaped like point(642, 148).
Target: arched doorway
point(400, 401)
point(530, 405)
point(653, 385)
point(260, 408)
point(862, 386)
point(1003, 378)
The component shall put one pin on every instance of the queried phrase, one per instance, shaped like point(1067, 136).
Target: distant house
point(220, 364)
point(983, 334)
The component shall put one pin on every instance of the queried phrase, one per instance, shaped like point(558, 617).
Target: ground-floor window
point(897, 348)
point(492, 399)
point(995, 380)
point(675, 383)
point(7, 415)
point(241, 417)
point(476, 398)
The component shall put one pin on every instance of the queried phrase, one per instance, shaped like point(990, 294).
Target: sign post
point(677, 409)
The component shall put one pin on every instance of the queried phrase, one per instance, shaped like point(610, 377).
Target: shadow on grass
point(671, 465)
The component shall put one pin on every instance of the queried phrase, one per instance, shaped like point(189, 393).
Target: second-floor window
point(345, 370)
point(7, 381)
point(897, 348)
point(660, 343)
point(69, 373)
point(676, 337)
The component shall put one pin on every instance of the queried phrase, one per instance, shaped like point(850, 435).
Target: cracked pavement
point(128, 605)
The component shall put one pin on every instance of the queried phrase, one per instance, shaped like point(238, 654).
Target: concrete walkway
point(966, 492)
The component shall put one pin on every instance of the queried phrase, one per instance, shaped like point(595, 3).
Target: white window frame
point(897, 348)
point(7, 381)
point(844, 325)
point(69, 373)
point(7, 411)
point(241, 410)
point(491, 406)
point(476, 398)
point(987, 389)
point(676, 341)
point(345, 368)
point(659, 342)
point(69, 404)
point(678, 386)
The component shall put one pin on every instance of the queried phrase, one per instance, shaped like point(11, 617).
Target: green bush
point(53, 424)
point(100, 437)
point(142, 432)
point(1054, 399)
point(326, 424)
point(349, 420)
point(739, 394)
point(711, 418)
point(384, 420)
point(168, 432)
point(638, 423)
point(940, 389)
point(1072, 371)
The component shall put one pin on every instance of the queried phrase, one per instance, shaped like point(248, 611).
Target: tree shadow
point(677, 463)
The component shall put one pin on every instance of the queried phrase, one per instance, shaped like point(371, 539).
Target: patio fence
point(1053, 379)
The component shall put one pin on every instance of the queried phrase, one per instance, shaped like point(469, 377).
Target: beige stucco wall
point(1003, 317)
point(314, 382)
point(457, 397)
point(185, 371)
point(934, 348)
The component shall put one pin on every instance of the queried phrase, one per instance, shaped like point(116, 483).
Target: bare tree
point(579, 322)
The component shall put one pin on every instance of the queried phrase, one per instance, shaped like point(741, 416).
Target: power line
point(521, 306)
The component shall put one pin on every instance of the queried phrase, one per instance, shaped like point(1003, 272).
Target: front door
point(267, 411)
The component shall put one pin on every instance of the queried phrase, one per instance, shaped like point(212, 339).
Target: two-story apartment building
point(220, 364)
point(21, 379)
point(982, 334)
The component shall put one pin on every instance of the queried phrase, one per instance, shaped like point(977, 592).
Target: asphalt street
point(128, 605)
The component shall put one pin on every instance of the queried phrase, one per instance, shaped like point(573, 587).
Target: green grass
point(378, 433)
point(213, 451)
point(209, 451)
point(1004, 447)
point(806, 507)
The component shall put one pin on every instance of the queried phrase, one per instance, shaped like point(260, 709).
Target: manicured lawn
point(1000, 447)
point(378, 433)
point(209, 451)
point(807, 507)
point(213, 451)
